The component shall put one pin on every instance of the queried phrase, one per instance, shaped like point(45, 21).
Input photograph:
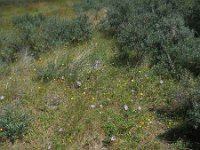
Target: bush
point(10, 45)
point(160, 29)
point(194, 116)
point(13, 123)
point(36, 34)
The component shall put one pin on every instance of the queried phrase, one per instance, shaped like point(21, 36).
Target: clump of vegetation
point(56, 71)
point(36, 34)
point(13, 123)
point(194, 116)
point(156, 28)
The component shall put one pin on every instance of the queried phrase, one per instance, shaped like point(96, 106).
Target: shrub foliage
point(38, 33)
point(13, 123)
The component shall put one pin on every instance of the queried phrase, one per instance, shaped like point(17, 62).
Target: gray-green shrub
point(36, 34)
point(13, 123)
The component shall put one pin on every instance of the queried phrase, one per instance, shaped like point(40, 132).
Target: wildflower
point(49, 146)
point(92, 106)
point(61, 130)
point(113, 138)
point(63, 78)
point(39, 87)
point(1, 129)
point(101, 106)
point(139, 108)
point(97, 64)
point(161, 81)
point(72, 98)
point(84, 93)
point(2, 97)
point(140, 71)
point(133, 92)
point(141, 94)
point(132, 81)
point(78, 83)
point(63, 64)
point(125, 107)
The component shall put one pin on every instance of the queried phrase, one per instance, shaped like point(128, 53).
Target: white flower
point(78, 83)
point(49, 147)
point(101, 106)
point(139, 108)
point(61, 130)
point(93, 106)
point(133, 92)
point(2, 97)
point(113, 138)
point(97, 64)
point(63, 78)
point(125, 107)
point(161, 81)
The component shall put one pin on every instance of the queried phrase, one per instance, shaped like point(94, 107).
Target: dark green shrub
point(194, 116)
point(10, 45)
point(86, 5)
point(80, 29)
point(13, 123)
point(157, 28)
point(57, 30)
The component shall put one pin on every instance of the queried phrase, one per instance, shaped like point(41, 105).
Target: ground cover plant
point(99, 74)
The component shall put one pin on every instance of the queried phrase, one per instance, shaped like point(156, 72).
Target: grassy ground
point(114, 108)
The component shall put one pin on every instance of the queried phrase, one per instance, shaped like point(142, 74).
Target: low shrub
point(194, 116)
point(36, 34)
point(160, 29)
point(13, 123)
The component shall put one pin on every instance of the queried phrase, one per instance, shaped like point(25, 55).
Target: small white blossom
point(78, 83)
point(161, 81)
point(93, 106)
point(133, 92)
point(139, 108)
point(2, 97)
point(63, 78)
point(101, 106)
point(113, 138)
point(97, 64)
point(125, 107)
point(61, 130)
point(49, 147)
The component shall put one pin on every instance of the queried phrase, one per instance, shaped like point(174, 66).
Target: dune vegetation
point(99, 74)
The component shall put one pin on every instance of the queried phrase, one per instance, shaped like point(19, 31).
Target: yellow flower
point(141, 94)
point(1, 129)
point(132, 81)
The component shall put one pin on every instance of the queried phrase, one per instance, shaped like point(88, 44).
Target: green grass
point(65, 116)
